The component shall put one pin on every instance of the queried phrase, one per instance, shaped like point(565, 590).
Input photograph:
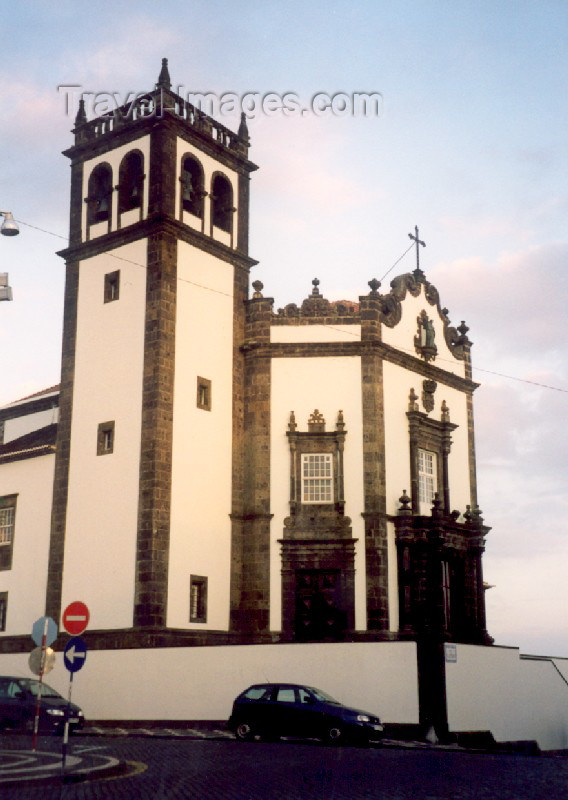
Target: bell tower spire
point(164, 80)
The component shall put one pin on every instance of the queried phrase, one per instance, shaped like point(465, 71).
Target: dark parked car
point(272, 710)
point(18, 701)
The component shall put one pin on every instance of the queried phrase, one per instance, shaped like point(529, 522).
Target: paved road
point(172, 769)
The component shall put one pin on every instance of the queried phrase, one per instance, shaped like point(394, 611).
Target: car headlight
point(55, 712)
point(363, 718)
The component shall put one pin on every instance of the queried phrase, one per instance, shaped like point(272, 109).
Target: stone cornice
point(254, 349)
point(150, 226)
point(131, 130)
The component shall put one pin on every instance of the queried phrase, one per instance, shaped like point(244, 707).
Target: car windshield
point(323, 697)
point(36, 688)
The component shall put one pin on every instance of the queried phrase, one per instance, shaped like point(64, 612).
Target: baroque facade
point(212, 469)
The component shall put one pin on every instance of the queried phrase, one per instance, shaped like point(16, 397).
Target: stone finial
point(437, 506)
point(462, 330)
point(468, 516)
point(412, 400)
point(292, 423)
point(445, 412)
point(375, 286)
point(315, 290)
point(81, 117)
point(243, 132)
point(164, 81)
point(258, 286)
point(340, 424)
point(316, 422)
point(405, 502)
point(477, 518)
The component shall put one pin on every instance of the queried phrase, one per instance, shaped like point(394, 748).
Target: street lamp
point(9, 226)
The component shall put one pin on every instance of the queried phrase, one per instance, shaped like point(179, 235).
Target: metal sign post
point(75, 620)
point(44, 632)
point(74, 657)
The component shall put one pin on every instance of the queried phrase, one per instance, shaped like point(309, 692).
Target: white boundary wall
point(515, 697)
point(200, 683)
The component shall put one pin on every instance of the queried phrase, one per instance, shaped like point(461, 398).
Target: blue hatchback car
point(272, 710)
point(19, 701)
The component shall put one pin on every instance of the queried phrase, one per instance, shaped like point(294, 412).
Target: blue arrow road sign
point(75, 654)
point(41, 625)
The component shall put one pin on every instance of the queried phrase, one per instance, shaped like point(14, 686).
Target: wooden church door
point(319, 611)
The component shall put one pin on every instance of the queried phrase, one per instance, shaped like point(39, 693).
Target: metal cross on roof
point(418, 271)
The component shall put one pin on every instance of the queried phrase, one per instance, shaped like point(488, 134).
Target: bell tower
point(150, 444)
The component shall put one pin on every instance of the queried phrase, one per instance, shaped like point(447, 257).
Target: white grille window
point(317, 478)
point(427, 479)
point(7, 519)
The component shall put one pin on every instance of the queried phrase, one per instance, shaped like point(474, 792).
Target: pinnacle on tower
point(243, 128)
point(164, 81)
point(81, 117)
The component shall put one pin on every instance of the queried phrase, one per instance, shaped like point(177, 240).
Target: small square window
point(105, 438)
point(3, 610)
point(204, 394)
point(112, 286)
point(197, 598)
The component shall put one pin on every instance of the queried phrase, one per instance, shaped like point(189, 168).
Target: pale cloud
point(131, 52)
point(520, 297)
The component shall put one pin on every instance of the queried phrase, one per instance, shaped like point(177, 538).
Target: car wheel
point(244, 732)
point(334, 734)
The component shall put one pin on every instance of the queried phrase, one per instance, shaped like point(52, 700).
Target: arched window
point(99, 196)
point(192, 186)
point(222, 203)
point(130, 181)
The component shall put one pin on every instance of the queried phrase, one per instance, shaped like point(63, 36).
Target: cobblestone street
point(173, 768)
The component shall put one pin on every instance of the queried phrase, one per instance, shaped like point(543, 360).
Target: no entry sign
point(76, 618)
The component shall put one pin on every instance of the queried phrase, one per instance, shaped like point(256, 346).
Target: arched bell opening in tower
point(99, 197)
point(130, 181)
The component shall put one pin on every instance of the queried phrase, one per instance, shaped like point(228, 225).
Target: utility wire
point(328, 327)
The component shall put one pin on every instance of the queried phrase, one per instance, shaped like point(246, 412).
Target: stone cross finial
point(418, 274)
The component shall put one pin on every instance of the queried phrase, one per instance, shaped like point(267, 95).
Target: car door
point(12, 706)
point(284, 708)
point(309, 716)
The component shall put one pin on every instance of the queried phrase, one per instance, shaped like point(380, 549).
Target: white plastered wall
point(516, 698)
point(200, 529)
point(301, 385)
point(32, 481)
point(113, 158)
point(210, 165)
point(380, 677)
point(100, 541)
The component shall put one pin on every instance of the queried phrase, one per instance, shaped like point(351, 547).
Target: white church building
point(235, 484)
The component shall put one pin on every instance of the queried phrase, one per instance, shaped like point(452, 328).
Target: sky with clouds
point(470, 144)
